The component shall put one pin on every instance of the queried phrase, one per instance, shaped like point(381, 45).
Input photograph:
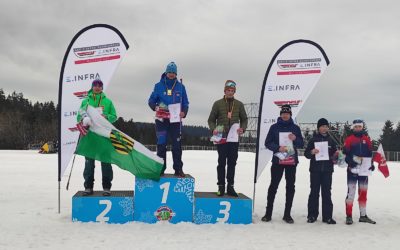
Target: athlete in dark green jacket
point(226, 112)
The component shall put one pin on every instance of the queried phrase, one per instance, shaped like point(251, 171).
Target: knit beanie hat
point(171, 68)
point(357, 122)
point(229, 84)
point(286, 109)
point(97, 82)
point(322, 122)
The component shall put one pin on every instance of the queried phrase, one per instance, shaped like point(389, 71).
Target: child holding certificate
point(358, 150)
point(320, 150)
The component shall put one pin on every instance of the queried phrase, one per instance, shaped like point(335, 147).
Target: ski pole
point(70, 173)
point(72, 166)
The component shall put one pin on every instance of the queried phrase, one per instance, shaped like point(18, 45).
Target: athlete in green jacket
point(96, 98)
point(224, 113)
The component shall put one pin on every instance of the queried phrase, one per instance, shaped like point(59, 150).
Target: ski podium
point(170, 200)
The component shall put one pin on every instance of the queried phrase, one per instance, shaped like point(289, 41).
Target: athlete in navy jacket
point(285, 124)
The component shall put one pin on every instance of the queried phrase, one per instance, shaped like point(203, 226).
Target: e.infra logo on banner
point(299, 66)
point(98, 53)
point(82, 77)
point(292, 103)
point(283, 87)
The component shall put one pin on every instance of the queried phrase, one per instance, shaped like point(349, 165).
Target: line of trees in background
point(23, 124)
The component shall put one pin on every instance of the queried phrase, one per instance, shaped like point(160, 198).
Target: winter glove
point(372, 168)
point(82, 128)
point(86, 121)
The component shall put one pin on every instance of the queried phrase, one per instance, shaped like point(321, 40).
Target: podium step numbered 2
point(116, 208)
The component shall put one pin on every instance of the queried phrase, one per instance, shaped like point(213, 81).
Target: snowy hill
point(29, 218)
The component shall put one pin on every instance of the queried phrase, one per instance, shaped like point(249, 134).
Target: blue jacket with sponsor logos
point(272, 140)
point(177, 95)
point(357, 144)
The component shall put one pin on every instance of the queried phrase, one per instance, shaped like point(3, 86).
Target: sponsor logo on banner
point(269, 120)
point(81, 94)
point(74, 129)
point(100, 59)
point(82, 77)
point(293, 103)
point(70, 113)
point(283, 87)
point(69, 143)
point(97, 51)
point(299, 66)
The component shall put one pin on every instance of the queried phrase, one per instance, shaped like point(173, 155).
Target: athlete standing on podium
point(97, 99)
point(166, 92)
point(224, 114)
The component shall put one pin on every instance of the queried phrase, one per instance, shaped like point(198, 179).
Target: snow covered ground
point(29, 218)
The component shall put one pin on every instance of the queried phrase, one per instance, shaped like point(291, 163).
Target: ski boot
point(366, 219)
point(349, 220)
point(221, 190)
point(266, 218)
point(179, 174)
point(288, 219)
point(231, 191)
point(88, 191)
point(329, 221)
point(311, 219)
point(106, 192)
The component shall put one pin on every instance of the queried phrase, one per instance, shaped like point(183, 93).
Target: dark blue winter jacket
point(272, 140)
point(160, 94)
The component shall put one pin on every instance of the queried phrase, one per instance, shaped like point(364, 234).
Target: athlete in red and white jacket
point(357, 147)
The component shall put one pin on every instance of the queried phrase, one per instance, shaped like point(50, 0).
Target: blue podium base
point(170, 199)
point(116, 208)
point(210, 208)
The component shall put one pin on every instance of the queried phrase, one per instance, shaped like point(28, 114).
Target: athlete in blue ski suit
point(169, 91)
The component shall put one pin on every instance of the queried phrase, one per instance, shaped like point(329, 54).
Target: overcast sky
point(212, 41)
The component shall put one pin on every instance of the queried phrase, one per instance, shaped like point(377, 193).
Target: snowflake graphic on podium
point(185, 185)
point(141, 184)
point(201, 217)
point(147, 217)
point(127, 206)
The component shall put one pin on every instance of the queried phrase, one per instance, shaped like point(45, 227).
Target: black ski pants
point(276, 176)
point(88, 174)
point(320, 181)
point(227, 155)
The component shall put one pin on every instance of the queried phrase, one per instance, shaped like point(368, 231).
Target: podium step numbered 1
point(171, 199)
